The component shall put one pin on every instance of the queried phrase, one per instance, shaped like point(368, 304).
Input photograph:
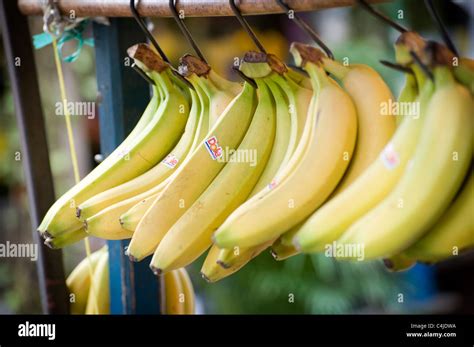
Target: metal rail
point(191, 8)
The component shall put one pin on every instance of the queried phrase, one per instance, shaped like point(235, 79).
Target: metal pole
point(191, 8)
point(124, 96)
point(35, 158)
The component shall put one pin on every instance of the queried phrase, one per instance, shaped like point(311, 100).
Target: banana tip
point(78, 212)
point(274, 254)
point(156, 271)
point(205, 278)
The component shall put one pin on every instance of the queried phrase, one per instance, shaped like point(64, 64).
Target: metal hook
point(143, 74)
point(381, 16)
point(442, 29)
point(155, 44)
point(423, 66)
point(306, 28)
point(246, 26)
point(185, 31)
point(396, 66)
point(244, 77)
point(145, 30)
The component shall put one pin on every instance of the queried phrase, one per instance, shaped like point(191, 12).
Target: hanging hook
point(422, 65)
point(246, 26)
point(185, 31)
point(306, 28)
point(442, 29)
point(397, 67)
point(381, 16)
point(155, 44)
point(145, 30)
point(143, 74)
point(244, 77)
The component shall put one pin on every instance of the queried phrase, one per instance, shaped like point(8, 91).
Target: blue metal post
point(124, 95)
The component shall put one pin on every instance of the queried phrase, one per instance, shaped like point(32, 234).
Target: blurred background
point(302, 284)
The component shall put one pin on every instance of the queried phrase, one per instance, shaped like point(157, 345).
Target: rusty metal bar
point(191, 8)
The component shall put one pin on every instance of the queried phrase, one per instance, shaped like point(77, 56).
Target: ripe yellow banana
point(281, 251)
point(98, 301)
point(143, 152)
point(214, 270)
point(192, 178)
point(65, 239)
point(437, 169)
point(452, 233)
point(375, 122)
point(152, 177)
point(188, 291)
point(79, 281)
point(174, 293)
point(321, 165)
point(291, 111)
point(191, 235)
point(333, 218)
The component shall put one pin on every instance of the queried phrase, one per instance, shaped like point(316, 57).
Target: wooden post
point(124, 96)
point(34, 150)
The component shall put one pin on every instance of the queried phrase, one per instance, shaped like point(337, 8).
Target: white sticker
point(390, 157)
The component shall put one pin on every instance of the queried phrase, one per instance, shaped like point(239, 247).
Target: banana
point(174, 294)
point(214, 270)
point(281, 251)
point(333, 218)
point(191, 235)
point(437, 169)
point(375, 122)
point(143, 152)
point(194, 176)
point(130, 219)
point(98, 301)
point(291, 109)
point(188, 291)
point(219, 91)
point(79, 280)
point(152, 177)
point(453, 232)
point(65, 239)
point(320, 166)
point(399, 262)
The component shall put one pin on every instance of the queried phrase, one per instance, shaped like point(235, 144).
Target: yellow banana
point(453, 232)
point(321, 165)
point(281, 251)
point(79, 280)
point(188, 291)
point(437, 169)
point(152, 177)
point(98, 301)
point(375, 122)
point(144, 151)
point(191, 235)
point(334, 217)
point(174, 294)
point(194, 176)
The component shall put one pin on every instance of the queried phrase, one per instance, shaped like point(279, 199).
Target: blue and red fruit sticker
point(213, 147)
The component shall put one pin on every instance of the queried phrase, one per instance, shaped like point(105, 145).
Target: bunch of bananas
point(89, 292)
point(284, 161)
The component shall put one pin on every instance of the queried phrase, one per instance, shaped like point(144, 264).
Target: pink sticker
point(171, 161)
point(213, 147)
point(272, 184)
point(390, 157)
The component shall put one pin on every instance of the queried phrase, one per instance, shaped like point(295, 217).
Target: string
point(72, 149)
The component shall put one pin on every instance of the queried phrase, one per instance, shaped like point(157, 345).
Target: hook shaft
point(185, 30)
point(246, 26)
point(442, 29)
point(396, 66)
point(143, 74)
point(145, 30)
point(423, 66)
point(306, 28)
point(381, 16)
